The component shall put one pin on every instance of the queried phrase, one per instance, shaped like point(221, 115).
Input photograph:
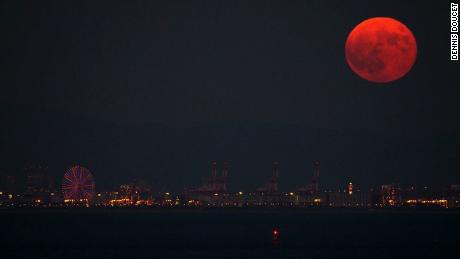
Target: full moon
point(381, 49)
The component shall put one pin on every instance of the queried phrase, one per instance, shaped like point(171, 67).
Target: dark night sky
point(156, 89)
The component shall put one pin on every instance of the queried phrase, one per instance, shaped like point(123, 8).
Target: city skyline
point(216, 169)
point(78, 189)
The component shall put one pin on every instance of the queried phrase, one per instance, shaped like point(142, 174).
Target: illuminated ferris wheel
point(78, 184)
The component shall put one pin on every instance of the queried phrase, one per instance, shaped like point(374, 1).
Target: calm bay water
point(154, 233)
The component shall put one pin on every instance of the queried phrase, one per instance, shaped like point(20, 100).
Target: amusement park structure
point(78, 185)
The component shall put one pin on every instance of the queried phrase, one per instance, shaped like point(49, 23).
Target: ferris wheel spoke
point(67, 177)
point(78, 183)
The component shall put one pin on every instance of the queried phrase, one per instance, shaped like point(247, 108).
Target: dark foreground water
point(153, 233)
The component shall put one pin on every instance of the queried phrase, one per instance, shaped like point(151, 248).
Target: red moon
point(381, 49)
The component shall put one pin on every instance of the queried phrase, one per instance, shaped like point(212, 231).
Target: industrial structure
point(267, 194)
point(78, 189)
point(213, 189)
point(272, 186)
point(310, 194)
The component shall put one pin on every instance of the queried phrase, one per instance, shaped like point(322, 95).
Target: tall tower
point(225, 168)
point(275, 175)
point(223, 179)
point(350, 188)
point(212, 180)
point(315, 178)
point(213, 168)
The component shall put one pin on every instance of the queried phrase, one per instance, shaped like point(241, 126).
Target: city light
point(214, 193)
point(350, 188)
point(438, 202)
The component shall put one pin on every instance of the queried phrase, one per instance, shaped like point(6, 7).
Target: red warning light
point(275, 236)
